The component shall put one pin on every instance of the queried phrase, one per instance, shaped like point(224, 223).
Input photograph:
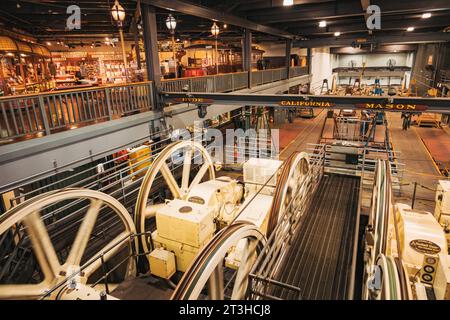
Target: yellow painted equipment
point(185, 222)
point(184, 254)
point(139, 160)
point(162, 263)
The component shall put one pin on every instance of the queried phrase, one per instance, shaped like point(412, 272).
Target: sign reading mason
point(314, 104)
point(194, 100)
point(393, 106)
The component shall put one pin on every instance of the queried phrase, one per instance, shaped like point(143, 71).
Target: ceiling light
point(118, 12)
point(322, 24)
point(426, 15)
point(49, 43)
point(171, 23)
point(410, 29)
point(288, 2)
point(225, 26)
point(337, 34)
point(215, 30)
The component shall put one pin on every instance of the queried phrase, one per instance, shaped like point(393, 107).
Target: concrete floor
point(418, 164)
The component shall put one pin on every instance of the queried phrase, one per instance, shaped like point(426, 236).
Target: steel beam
point(151, 44)
point(136, 45)
point(151, 51)
point(211, 14)
point(288, 56)
point(269, 4)
point(247, 55)
point(396, 23)
point(400, 104)
point(429, 37)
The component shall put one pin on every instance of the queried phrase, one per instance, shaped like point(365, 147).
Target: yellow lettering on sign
point(391, 106)
point(320, 104)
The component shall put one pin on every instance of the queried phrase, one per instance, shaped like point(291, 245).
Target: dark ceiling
point(46, 19)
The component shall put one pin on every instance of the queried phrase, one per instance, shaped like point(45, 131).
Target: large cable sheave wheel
point(31, 226)
point(207, 268)
point(290, 191)
point(194, 153)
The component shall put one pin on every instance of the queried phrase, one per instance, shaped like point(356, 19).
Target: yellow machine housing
point(419, 234)
point(257, 212)
point(442, 278)
point(139, 159)
point(184, 254)
point(442, 209)
point(184, 226)
point(162, 263)
point(257, 172)
point(185, 222)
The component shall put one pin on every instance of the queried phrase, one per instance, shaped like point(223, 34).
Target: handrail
point(232, 81)
point(43, 113)
point(94, 87)
point(205, 76)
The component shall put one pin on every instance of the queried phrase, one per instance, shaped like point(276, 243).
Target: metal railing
point(214, 83)
point(297, 71)
point(34, 115)
point(44, 113)
point(230, 81)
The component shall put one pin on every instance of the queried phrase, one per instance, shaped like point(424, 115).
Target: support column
point(136, 45)
point(151, 52)
point(288, 56)
point(151, 44)
point(247, 55)
point(308, 59)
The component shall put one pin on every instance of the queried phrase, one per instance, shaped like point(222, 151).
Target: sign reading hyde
point(193, 100)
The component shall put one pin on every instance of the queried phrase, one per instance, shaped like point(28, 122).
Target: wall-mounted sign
point(425, 246)
point(194, 100)
point(310, 104)
point(393, 106)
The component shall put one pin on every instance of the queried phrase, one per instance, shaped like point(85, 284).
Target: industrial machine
point(202, 212)
point(406, 250)
point(198, 210)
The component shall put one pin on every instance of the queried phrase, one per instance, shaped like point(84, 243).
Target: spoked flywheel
point(194, 156)
point(99, 228)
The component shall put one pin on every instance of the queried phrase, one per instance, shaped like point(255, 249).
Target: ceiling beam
point(386, 24)
point(266, 4)
point(429, 37)
point(308, 12)
point(207, 13)
point(344, 9)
